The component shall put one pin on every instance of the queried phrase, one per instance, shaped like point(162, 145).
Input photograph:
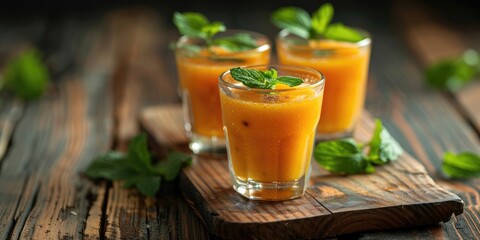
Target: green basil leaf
point(340, 32)
point(341, 156)
point(383, 147)
point(290, 81)
point(295, 20)
point(322, 17)
point(26, 75)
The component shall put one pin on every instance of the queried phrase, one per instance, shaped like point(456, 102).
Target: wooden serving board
point(399, 194)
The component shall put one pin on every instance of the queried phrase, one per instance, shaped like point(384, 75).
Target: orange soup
point(345, 66)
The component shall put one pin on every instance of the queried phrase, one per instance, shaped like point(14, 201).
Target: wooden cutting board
point(397, 195)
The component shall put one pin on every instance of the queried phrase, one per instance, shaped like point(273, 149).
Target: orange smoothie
point(270, 136)
point(198, 78)
point(345, 66)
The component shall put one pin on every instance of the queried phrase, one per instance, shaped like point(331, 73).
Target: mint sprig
point(136, 169)
point(266, 79)
point(453, 74)
point(346, 156)
point(196, 25)
point(462, 165)
point(297, 21)
point(25, 75)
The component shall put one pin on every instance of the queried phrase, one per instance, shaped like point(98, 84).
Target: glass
point(345, 65)
point(198, 71)
point(270, 133)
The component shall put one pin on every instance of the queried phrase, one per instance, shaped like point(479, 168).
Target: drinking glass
point(198, 69)
point(271, 132)
point(345, 65)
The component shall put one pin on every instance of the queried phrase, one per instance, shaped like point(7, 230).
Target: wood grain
point(400, 194)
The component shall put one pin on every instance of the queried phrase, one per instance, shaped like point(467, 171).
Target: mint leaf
point(340, 32)
point(383, 147)
point(251, 78)
point(341, 156)
point(135, 168)
point(267, 79)
point(322, 17)
point(196, 25)
point(295, 20)
point(347, 156)
point(147, 185)
point(170, 168)
point(236, 43)
point(453, 74)
point(213, 28)
point(290, 81)
point(191, 24)
point(299, 22)
point(462, 165)
point(138, 154)
point(26, 75)
point(111, 165)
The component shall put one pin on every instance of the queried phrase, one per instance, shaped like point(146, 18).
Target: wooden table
point(109, 63)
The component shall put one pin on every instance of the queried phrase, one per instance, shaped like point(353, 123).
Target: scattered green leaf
point(462, 165)
point(297, 21)
point(267, 79)
point(346, 156)
point(383, 147)
point(26, 75)
point(136, 169)
point(342, 156)
point(453, 74)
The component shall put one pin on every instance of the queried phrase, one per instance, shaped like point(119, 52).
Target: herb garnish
point(196, 25)
point(266, 79)
point(136, 168)
point(453, 74)
point(462, 165)
point(299, 22)
point(25, 75)
point(346, 156)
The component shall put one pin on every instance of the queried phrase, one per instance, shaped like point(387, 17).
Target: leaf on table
point(26, 75)
point(383, 147)
point(340, 156)
point(462, 165)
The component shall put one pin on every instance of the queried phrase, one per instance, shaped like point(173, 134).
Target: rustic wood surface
point(109, 62)
point(400, 194)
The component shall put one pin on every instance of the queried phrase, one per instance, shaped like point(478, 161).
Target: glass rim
point(261, 48)
point(320, 82)
point(367, 41)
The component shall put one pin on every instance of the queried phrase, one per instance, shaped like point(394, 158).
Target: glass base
point(200, 144)
point(320, 137)
point(271, 191)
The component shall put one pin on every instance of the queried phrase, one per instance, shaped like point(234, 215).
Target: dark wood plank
point(56, 137)
point(141, 78)
point(400, 194)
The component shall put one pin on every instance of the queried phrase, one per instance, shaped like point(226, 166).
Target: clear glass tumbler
point(198, 69)
point(345, 65)
point(270, 133)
